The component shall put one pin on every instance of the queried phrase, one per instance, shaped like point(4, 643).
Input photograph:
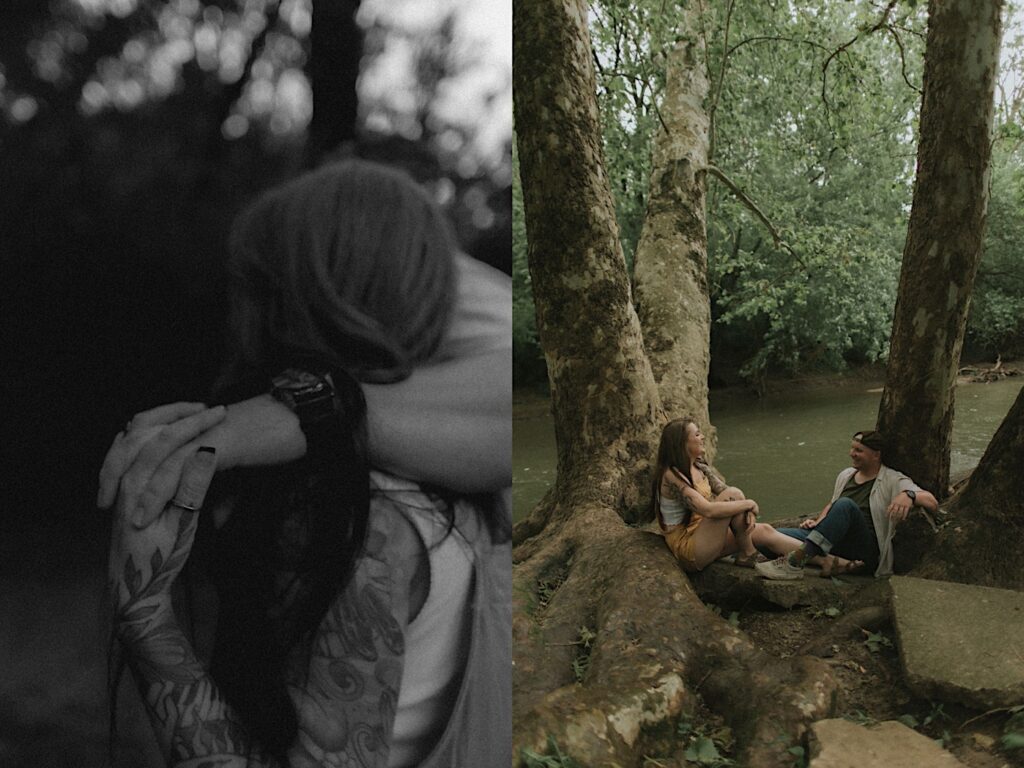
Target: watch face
point(309, 395)
point(298, 381)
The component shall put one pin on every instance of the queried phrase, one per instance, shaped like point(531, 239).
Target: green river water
point(783, 450)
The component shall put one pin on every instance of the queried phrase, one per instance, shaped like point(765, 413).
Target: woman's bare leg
point(717, 537)
point(766, 536)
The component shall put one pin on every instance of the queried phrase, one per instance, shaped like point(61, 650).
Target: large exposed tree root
point(612, 645)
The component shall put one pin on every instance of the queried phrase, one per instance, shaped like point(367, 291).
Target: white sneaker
point(779, 569)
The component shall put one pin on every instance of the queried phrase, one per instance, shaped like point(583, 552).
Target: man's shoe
point(779, 569)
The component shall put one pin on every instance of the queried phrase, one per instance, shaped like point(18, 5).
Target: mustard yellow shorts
point(680, 540)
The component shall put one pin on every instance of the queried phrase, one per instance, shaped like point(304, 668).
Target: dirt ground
point(867, 668)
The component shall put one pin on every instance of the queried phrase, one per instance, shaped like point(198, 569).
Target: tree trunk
point(610, 641)
point(671, 266)
point(605, 405)
point(944, 239)
point(336, 49)
point(983, 543)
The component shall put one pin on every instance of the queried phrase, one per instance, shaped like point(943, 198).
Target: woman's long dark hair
point(671, 455)
point(346, 270)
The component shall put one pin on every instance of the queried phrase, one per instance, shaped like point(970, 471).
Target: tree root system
point(618, 662)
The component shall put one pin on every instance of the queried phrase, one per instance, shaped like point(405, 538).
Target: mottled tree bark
point(983, 542)
point(605, 405)
point(616, 698)
point(944, 239)
point(671, 263)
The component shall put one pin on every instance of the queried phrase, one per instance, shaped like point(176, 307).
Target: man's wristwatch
point(310, 396)
point(913, 497)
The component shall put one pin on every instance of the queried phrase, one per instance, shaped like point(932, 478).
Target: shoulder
point(482, 317)
point(845, 474)
point(895, 479)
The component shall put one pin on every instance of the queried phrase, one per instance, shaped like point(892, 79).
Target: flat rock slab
point(960, 643)
point(729, 585)
point(844, 744)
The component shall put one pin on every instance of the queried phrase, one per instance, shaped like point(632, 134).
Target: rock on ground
point(960, 643)
point(843, 744)
point(725, 584)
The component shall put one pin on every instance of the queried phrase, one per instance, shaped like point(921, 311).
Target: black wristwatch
point(310, 396)
point(913, 497)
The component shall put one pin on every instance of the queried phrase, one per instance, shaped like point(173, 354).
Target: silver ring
point(186, 507)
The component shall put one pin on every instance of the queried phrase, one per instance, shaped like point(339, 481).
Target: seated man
point(859, 523)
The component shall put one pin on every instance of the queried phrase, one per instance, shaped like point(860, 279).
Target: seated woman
point(702, 518)
point(364, 618)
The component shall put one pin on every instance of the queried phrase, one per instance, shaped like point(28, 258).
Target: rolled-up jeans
point(843, 532)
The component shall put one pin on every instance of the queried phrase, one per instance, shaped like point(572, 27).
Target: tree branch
point(745, 199)
point(903, 58)
point(721, 79)
point(881, 23)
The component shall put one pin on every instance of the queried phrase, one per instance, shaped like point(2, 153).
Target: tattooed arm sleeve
point(194, 725)
point(346, 706)
point(345, 691)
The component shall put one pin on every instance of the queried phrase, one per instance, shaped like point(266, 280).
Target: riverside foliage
point(814, 109)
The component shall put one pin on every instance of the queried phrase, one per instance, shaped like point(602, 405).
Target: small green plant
point(831, 612)
point(945, 739)
point(706, 747)
point(799, 756)
point(935, 715)
point(908, 720)
point(1013, 730)
point(860, 717)
point(546, 589)
point(704, 752)
point(554, 759)
point(581, 662)
point(875, 641)
point(734, 619)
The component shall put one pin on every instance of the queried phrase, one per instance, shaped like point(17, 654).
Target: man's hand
point(900, 507)
point(810, 522)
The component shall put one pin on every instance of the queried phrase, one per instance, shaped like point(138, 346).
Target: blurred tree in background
point(131, 133)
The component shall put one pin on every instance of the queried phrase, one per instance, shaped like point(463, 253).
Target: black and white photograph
point(257, 369)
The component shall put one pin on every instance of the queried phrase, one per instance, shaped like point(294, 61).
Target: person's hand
point(256, 432)
point(143, 564)
point(140, 471)
point(808, 523)
point(754, 509)
point(900, 508)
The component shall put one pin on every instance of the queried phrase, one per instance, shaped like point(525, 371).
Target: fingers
point(195, 479)
point(165, 414)
point(119, 458)
point(161, 486)
point(127, 444)
point(159, 448)
point(898, 512)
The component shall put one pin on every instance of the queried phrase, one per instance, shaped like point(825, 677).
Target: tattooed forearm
point(194, 725)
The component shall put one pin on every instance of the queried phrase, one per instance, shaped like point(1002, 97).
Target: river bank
point(783, 448)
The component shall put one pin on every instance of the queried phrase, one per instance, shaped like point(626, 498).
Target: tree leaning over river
point(944, 238)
